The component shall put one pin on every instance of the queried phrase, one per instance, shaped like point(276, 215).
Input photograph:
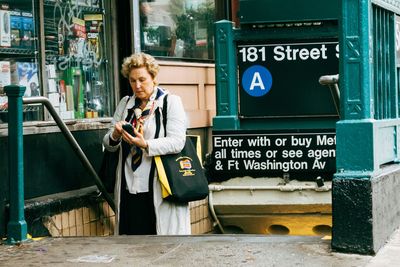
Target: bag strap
point(130, 111)
point(157, 123)
point(153, 163)
point(164, 113)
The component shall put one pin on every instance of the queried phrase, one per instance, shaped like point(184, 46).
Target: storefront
point(70, 51)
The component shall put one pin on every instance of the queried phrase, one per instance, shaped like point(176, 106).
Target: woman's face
point(142, 83)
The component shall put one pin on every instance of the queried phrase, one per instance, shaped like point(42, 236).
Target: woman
point(140, 208)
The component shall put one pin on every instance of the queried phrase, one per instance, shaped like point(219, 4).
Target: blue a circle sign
point(257, 80)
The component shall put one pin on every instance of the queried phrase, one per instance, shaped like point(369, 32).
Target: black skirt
point(136, 213)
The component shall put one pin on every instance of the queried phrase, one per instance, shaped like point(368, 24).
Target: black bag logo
point(185, 166)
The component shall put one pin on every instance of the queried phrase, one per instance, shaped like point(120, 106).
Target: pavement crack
point(167, 253)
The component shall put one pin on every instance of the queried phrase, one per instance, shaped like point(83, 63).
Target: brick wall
point(99, 220)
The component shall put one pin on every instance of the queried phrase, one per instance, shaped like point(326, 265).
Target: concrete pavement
point(204, 250)
point(388, 255)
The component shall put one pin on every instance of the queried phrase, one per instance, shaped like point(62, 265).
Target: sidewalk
point(389, 254)
point(205, 250)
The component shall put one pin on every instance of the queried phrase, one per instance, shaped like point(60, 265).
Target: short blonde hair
point(140, 60)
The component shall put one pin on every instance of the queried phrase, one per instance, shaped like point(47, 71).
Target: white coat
point(171, 218)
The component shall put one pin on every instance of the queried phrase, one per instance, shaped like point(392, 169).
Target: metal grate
point(385, 100)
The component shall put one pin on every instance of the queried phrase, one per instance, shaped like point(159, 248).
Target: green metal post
point(355, 64)
point(226, 77)
point(365, 193)
point(355, 145)
point(16, 228)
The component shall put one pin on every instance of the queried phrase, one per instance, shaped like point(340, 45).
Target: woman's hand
point(137, 140)
point(117, 133)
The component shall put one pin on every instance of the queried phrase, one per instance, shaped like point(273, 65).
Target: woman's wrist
point(146, 145)
point(112, 136)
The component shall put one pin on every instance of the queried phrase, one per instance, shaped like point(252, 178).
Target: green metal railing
point(385, 92)
point(17, 229)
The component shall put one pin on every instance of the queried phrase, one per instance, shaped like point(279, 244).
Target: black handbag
point(108, 169)
point(181, 175)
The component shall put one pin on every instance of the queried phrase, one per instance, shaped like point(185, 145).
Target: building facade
point(70, 51)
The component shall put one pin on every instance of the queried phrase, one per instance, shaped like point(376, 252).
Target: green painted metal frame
point(226, 78)
point(367, 137)
point(16, 228)
point(368, 132)
point(384, 67)
point(283, 11)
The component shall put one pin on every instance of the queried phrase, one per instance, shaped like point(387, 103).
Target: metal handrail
point(72, 141)
point(332, 82)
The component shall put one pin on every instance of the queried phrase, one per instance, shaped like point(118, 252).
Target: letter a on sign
point(257, 81)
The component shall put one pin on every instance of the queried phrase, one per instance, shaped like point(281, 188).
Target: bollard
point(16, 227)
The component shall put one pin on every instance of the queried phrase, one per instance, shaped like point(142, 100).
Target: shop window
point(178, 28)
point(68, 62)
point(76, 59)
point(18, 60)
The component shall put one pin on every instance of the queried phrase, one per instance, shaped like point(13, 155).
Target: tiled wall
point(200, 217)
point(99, 220)
point(94, 220)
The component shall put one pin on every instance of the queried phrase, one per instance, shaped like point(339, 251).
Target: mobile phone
point(128, 128)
